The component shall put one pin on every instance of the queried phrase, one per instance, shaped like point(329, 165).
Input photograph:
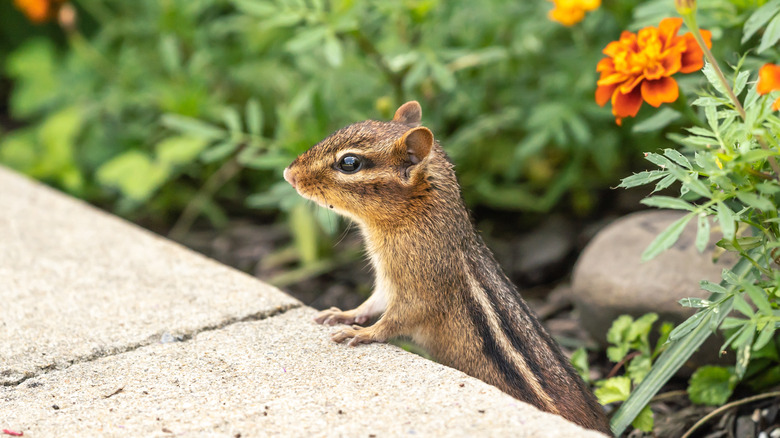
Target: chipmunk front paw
point(356, 335)
point(334, 316)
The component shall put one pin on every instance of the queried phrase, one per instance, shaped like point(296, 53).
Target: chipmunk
point(436, 281)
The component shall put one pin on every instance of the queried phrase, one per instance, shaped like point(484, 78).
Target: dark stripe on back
point(493, 352)
point(526, 344)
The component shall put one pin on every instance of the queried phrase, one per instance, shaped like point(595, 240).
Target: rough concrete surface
point(281, 376)
point(108, 330)
point(77, 283)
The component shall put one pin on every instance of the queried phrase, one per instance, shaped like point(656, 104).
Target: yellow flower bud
point(685, 7)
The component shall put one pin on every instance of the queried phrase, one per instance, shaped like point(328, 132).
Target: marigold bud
point(66, 17)
point(685, 7)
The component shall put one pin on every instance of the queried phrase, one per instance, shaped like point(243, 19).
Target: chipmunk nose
point(289, 177)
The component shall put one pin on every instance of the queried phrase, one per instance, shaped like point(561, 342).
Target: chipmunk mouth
point(295, 182)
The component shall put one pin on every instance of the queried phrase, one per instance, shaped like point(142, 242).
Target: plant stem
point(728, 406)
point(690, 21)
point(224, 174)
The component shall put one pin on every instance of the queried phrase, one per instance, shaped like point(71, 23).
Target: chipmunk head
point(370, 171)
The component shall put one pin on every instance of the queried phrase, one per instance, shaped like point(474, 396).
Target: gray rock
point(610, 279)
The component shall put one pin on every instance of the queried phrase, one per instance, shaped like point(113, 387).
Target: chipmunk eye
point(349, 164)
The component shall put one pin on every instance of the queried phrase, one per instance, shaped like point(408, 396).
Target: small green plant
point(629, 348)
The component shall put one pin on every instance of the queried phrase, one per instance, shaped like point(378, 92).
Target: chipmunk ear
point(418, 143)
point(409, 114)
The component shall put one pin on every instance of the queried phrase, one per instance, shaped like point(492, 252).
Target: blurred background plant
point(179, 112)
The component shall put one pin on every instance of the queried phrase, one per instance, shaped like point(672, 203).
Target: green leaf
point(755, 201)
point(740, 82)
point(742, 243)
point(744, 345)
point(664, 183)
point(677, 157)
point(726, 220)
point(232, 120)
point(254, 117)
point(714, 80)
point(641, 178)
point(169, 53)
point(668, 202)
point(304, 228)
point(687, 326)
point(755, 155)
point(219, 151)
point(333, 51)
point(612, 390)
point(771, 35)
point(638, 368)
point(133, 173)
point(256, 8)
point(579, 360)
point(667, 238)
point(618, 330)
point(192, 126)
point(307, 39)
point(644, 421)
point(702, 233)
point(759, 18)
point(764, 336)
point(641, 327)
point(36, 79)
point(713, 287)
point(697, 303)
point(742, 306)
point(759, 297)
point(711, 385)
point(57, 136)
point(179, 150)
point(657, 121)
point(730, 323)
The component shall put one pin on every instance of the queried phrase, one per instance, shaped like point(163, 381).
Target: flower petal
point(776, 105)
point(768, 78)
point(605, 64)
point(668, 28)
point(693, 58)
point(626, 105)
point(660, 91)
point(604, 93)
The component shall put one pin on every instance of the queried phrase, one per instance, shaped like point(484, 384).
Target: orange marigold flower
point(38, 11)
point(768, 81)
point(638, 67)
point(571, 12)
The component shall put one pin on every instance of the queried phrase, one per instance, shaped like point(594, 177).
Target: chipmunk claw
point(328, 316)
point(334, 316)
point(356, 335)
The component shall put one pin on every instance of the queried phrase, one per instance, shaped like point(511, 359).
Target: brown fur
point(436, 281)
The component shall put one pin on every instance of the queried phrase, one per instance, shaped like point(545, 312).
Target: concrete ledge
point(108, 330)
point(77, 283)
point(279, 376)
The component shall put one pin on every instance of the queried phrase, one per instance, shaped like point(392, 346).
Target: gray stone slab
point(77, 283)
point(281, 376)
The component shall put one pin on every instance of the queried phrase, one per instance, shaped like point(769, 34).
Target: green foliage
point(711, 385)
point(259, 81)
point(617, 389)
point(726, 173)
point(579, 359)
point(629, 341)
